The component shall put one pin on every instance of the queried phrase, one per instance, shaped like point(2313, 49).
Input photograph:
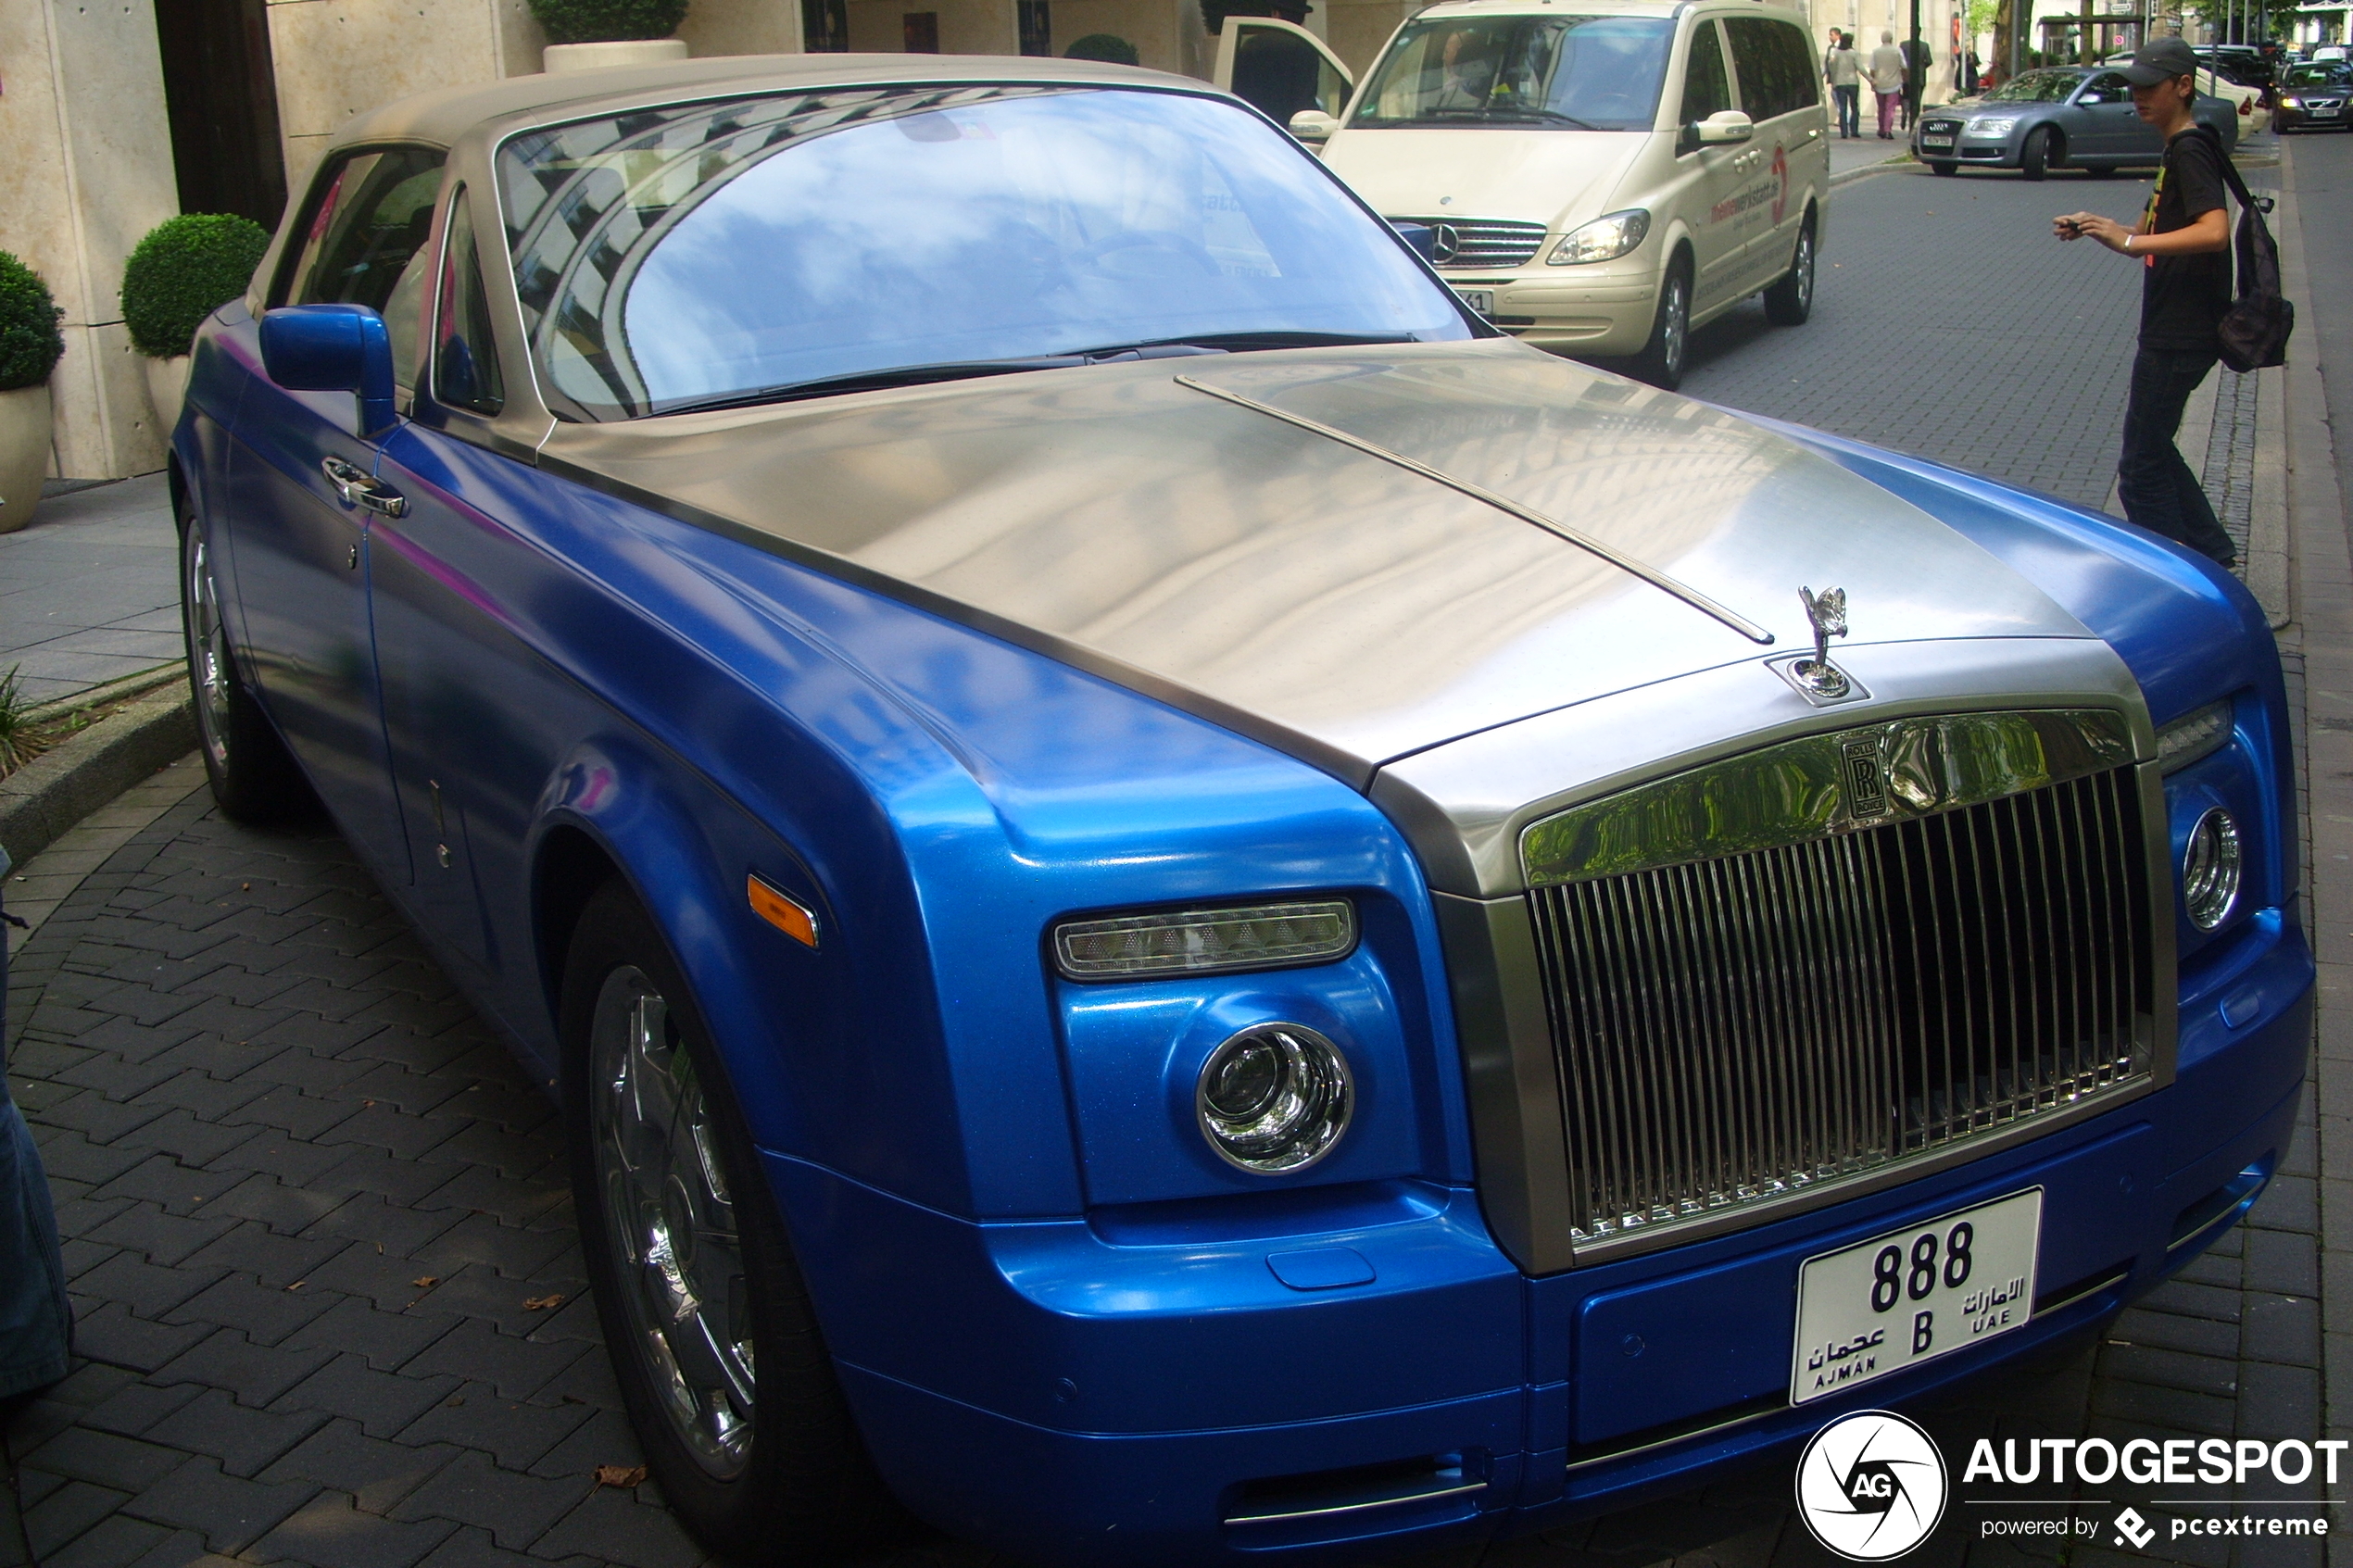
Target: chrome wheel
point(1802, 272)
point(671, 1223)
point(207, 649)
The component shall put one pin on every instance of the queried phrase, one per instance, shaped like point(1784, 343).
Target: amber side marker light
point(781, 912)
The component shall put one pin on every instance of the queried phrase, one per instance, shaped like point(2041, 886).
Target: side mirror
point(333, 348)
point(1723, 126)
point(1421, 237)
point(1312, 127)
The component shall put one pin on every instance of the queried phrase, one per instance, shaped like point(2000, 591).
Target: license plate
point(1480, 300)
point(2325, 114)
point(1936, 141)
point(1913, 1295)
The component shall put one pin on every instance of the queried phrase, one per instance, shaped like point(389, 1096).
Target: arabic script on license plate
point(1913, 1295)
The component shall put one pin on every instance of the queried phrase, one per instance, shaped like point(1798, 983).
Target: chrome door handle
point(358, 488)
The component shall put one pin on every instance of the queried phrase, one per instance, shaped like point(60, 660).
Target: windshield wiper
point(964, 369)
point(1550, 117)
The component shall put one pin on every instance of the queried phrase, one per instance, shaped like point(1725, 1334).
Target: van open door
point(1283, 69)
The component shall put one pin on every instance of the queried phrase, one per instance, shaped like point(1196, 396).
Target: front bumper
point(1603, 309)
point(1987, 152)
point(1149, 1391)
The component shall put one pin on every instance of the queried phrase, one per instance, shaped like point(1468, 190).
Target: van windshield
point(1563, 72)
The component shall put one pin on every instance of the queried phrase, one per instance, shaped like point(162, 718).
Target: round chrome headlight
point(1275, 1098)
point(2211, 866)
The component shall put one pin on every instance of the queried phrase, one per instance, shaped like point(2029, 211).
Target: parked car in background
point(1602, 177)
point(2054, 117)
point(1187, 908)
point(2314, 97)
point(2253, 103)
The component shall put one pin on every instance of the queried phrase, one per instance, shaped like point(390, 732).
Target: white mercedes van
point(1602, 175)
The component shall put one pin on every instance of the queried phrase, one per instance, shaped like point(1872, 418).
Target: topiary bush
point(186, 268)
point(606, 22)
point(1108, 47)
point(30, 342)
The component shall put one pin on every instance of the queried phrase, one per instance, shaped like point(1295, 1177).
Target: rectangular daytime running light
point(2197, 734)
point(1196, 941)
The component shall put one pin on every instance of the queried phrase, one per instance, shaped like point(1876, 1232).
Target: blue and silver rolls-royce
point(1186, 907)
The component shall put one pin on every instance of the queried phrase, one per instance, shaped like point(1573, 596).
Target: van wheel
point(2035, 156)
point(253, 776)
point(1790, 300)
point(1661, 360)
point(713, 1339)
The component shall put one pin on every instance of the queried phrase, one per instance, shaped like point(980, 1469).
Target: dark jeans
point(1850, 110)
point(2160, 491)
point(35, 1323)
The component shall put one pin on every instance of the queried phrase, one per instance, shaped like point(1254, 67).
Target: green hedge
point(30, 342)
point(186, 268)
point(605, 21)
point(1108, 47)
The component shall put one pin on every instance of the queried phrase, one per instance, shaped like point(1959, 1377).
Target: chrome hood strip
point(1626, 563)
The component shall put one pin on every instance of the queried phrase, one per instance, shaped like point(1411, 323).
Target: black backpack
point(2255, 329)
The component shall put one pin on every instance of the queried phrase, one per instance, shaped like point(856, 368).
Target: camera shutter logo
point(1872, 1485)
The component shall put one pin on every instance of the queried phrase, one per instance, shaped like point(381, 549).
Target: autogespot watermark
point(1872, 1486)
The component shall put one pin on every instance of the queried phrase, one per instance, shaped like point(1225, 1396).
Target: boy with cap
point(2183, 244)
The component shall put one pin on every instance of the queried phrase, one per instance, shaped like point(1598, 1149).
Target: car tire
point(253, 776)
point(1661, 360)
point(1943, 166)
point(1790, 300)
point(2034, 158)
point(769, 1469)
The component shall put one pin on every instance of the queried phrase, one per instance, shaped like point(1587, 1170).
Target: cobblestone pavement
point(317, 1216)
point(1949, 323)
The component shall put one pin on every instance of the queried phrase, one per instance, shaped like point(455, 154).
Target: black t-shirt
point(2182, 297)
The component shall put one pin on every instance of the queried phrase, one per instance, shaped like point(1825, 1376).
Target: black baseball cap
point(2160, 60)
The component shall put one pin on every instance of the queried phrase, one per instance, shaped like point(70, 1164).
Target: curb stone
point(50, 793)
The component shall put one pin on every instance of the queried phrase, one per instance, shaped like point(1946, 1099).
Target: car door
point(302, 488)
point(2100, 122)
point(1710, 206)
point(1781, 92)
point(1280, 68)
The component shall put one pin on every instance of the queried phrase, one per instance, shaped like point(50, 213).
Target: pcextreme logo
point(1870, 1485)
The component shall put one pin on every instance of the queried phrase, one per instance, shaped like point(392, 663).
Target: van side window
point(1707, 90)
point(1775, 66)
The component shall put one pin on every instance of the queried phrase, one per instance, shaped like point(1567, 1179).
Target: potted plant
point(1108, 47)
point(30, 347)
point(592, 34)
point(186, 268)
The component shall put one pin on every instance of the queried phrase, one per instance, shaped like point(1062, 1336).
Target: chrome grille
point(1732, 1030)
point(1483, 242)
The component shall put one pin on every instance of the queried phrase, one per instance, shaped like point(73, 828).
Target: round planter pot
point(166, 385)
point(24, 452)
point(619, 52)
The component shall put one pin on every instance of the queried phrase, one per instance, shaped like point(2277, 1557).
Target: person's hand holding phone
point(2090, 226)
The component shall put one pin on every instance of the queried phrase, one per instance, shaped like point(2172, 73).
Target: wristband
point(2128, 245)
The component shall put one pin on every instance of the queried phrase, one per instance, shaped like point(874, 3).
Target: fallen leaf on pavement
point(427, 1283)
point(297, 1284)
point(541, 1303)
point(623, 1476)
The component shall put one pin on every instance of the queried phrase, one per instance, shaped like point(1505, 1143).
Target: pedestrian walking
point(2183, 243)
point(1887, 82)
point(1844, 70)
point(36, 1324)
point(1918, 57)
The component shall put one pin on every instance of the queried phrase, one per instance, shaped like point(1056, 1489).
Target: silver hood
point(1345, 608)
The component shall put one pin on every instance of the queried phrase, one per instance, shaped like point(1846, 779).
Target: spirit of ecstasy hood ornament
point(1827, 610)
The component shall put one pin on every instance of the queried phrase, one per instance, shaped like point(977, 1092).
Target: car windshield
point(757, 247)
point(2318, 75)
point(2036, 87)
point(1566, 72)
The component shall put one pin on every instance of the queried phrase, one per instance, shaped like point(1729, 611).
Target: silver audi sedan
point(2059, 116)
